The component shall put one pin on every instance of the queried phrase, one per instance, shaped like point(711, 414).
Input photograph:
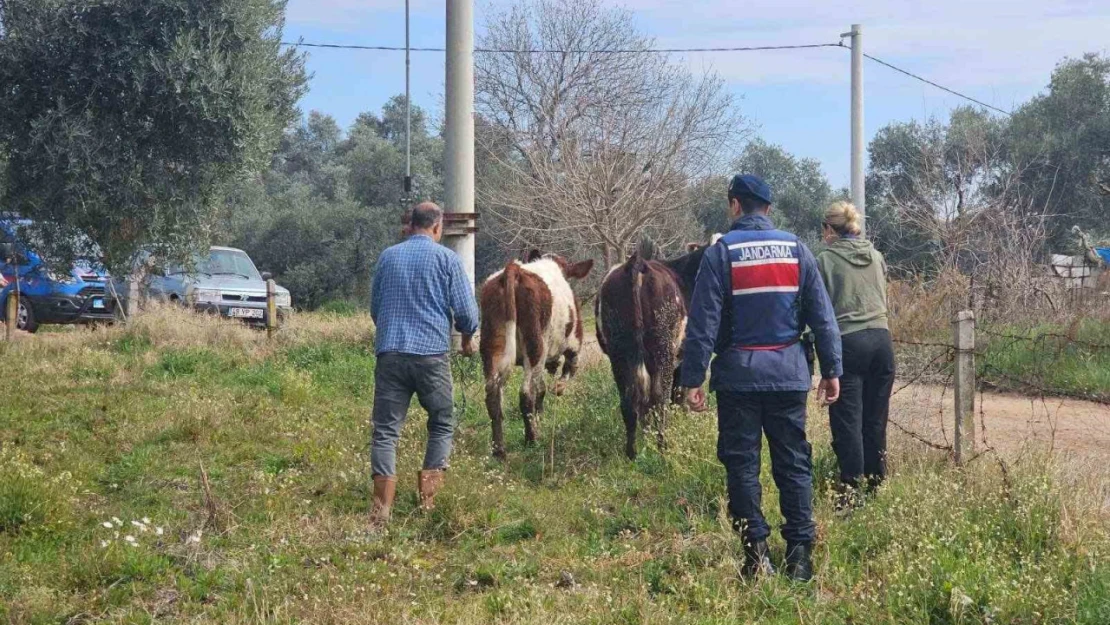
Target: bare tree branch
point(597, 148)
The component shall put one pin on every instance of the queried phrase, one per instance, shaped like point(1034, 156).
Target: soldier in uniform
point(756, 291)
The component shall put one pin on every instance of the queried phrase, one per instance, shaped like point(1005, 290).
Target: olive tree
point(126, 120)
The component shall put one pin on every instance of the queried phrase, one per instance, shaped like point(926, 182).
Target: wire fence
point(1045, 385)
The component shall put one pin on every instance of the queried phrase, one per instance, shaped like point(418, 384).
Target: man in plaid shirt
point(420, 288)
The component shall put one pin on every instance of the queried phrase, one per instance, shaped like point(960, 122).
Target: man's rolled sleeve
point(463, 307)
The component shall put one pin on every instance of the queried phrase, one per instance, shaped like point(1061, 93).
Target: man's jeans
point(742, 419)
point(396, 378)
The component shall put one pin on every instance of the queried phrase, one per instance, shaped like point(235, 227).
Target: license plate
point(245, 313)
point(98, 303)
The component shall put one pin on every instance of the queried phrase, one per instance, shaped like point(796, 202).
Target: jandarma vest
point(765, 276)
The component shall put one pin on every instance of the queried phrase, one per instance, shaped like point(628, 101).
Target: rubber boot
point(799, 561)
point(429, 481)
point(757, 560)
point(385, 488)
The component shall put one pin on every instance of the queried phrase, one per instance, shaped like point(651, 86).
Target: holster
point(809, 343)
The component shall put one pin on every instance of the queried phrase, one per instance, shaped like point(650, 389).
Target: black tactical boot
point(799, 561)
point(757, 560)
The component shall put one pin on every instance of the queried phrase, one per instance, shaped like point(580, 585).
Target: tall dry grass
point(166, 326)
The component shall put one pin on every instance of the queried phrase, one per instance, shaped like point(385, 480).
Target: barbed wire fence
point(1051, 373)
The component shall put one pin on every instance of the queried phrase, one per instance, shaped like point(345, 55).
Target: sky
point(1001, 52)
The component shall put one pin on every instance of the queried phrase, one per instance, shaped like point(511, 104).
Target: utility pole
point(459, 218)
point(408, 112)
point(858, 196)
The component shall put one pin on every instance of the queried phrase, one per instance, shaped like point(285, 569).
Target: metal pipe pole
point(459, 124)
point(408, 111)
point(858, 196)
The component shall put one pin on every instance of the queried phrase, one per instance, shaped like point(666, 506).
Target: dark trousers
point(858, 419)
point(397, 377)
point(742, 419)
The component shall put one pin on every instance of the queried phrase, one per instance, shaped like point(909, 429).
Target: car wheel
point(25, 318)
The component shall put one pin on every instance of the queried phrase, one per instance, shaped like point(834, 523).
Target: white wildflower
point(158, 531)
point(108, 524)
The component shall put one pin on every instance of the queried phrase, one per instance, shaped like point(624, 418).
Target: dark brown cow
point(530, 318)
point(641, 323)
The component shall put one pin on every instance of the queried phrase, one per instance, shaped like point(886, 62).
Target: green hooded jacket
point(855, 276)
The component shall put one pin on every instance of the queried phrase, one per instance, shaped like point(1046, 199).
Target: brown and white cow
point(530, 318)
point(641, 323)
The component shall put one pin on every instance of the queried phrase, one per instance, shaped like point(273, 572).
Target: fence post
point(271, 307)
point(132, 307)
point(10, 314)
point(964, 334)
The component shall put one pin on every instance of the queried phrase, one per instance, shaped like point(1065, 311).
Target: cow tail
point(641, 383)
point(511, 276)
point(637, 267)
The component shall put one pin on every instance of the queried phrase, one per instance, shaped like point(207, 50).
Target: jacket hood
point(858, 252)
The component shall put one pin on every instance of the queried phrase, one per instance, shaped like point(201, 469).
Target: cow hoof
point(560, 388)
point(500, 454)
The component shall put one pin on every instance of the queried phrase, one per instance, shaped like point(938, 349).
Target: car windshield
point(81, 245)
point(229, 263)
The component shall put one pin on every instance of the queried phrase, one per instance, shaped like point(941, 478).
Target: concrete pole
point(858, 146)
point(963, 330)
point(460, 124)
point(408, 112)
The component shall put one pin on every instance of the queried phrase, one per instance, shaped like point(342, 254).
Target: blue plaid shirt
point(419, 286)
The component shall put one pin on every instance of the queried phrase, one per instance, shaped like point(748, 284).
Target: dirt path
point(1011, 423)
point(1079, 431)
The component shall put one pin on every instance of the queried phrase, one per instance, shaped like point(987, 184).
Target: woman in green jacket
point(855, 276)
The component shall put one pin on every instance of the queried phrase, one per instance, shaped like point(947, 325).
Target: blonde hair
point(843, 218)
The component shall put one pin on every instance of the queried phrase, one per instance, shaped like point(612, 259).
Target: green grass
point(105, 436)
point(1064, 361)
point(342, 308)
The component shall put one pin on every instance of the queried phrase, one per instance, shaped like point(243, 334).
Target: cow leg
point(531, 389)
point(628, 411)
point(553, 369)
point(657, 416)
point(539, 389)
point(661, 367)
point(570, 369)
point(497, 417)
point(677, 397)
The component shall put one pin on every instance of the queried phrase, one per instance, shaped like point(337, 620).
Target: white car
point(226, 282)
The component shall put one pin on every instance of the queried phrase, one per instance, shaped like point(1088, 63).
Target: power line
point(342, 46)
point(938, 86)
point(338, 46)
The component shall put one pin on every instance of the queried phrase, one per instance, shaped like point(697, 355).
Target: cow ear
point(533, 255)
point(580, 270)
